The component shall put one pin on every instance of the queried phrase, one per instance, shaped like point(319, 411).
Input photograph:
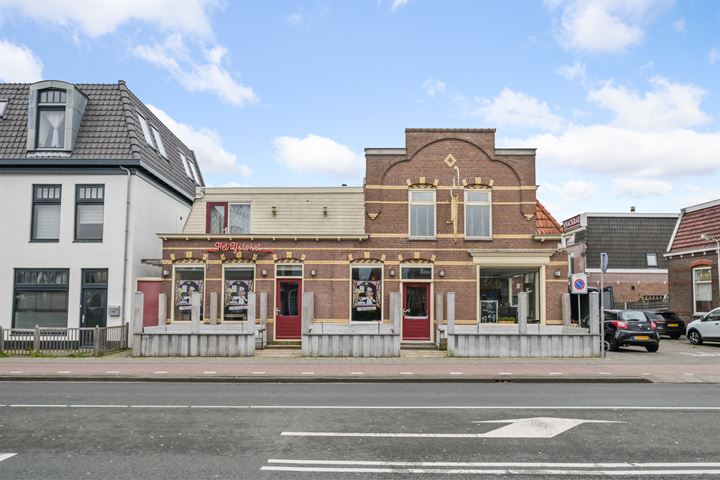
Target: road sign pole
point(603, 268)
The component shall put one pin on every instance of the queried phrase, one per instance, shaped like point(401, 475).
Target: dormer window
point(146, 130)
point(51, 118)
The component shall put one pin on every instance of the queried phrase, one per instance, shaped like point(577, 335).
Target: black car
point(669, 323)
point(630, 327)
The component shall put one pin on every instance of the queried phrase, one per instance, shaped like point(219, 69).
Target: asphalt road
point(65, 430)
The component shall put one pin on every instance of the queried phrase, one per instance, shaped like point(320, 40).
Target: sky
point(621, 99)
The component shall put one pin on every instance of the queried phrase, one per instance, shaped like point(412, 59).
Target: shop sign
point(571, 223)
point(238, 247)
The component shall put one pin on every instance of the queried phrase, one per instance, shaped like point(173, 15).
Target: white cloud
point(602, 26)
point(207, 145)
point(669, 105)
point(696, 194)
point(317, 155)
point(679, 25)
point(641, 187)
point(18, 64)
point(575, 190)
point(397, 4)
point(432, 87)
point(575, 71)
point(713, 56)
point(209, 75)
point(295, 19)
point(515, 108)
point(99, 18)
point(611, 149)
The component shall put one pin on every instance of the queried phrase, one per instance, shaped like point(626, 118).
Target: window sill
point(56, 240)
point(479, 239)
point(423, 238)
point(87, 241)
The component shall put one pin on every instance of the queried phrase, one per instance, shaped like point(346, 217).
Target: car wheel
point(675, 336)
point(652, 348)
point(694, 337)
point(614, 347)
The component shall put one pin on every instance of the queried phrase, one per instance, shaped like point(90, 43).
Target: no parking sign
point(578, 283)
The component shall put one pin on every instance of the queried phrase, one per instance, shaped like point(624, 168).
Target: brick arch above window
point(701, 263)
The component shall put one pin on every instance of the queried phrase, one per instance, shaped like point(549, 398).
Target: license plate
point(642, 337)
point(672, 324)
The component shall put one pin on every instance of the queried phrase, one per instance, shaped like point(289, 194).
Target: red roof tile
point(544, 222)
point(695, 223)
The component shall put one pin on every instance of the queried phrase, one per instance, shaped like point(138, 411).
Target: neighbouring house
point(88, 175)
point(448, 212)
point(692, 257)
point(635, 243)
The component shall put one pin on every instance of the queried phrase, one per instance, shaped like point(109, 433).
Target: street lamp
point(710, 238)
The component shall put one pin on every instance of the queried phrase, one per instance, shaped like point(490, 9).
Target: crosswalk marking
point(5, 456)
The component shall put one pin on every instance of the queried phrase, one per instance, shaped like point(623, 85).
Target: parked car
point(705, 328)
point(630, 327)
point(668, 323)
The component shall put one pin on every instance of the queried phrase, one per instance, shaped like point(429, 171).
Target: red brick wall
point(680, 282)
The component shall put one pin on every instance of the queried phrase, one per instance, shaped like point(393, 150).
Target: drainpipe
point(127, 239)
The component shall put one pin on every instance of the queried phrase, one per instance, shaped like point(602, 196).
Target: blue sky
point(621, 99)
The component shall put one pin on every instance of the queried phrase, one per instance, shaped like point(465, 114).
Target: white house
point(87, 176)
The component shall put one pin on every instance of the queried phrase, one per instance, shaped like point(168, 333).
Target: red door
point(151, 289)
point(416, 311)
point(288, 308)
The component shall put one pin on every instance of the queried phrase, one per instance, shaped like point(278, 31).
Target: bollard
point(522, 312)
point(96, 341)
point(213, 308)
point(566, 310)
point(396, 312)
point(137, 312)
point(439, 314)
point(594, 313)
point(252, 300)
point(36, 339)
point(263, 318)
point(308, 311)
point(195, 301)
point(450, 314)
point(2, 340)
point(162, 309)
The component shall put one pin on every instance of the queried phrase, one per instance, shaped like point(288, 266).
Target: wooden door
point(288, 309)
point(151, 289)
point(416, 311)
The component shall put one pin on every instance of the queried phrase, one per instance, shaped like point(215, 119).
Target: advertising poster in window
point(183, 293)
point(366, 300)
point(236, 295)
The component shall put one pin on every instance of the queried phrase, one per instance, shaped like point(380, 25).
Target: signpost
point(578, 286)
point(603, 268)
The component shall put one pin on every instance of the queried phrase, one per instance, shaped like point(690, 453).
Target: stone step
point(284, 345)
point(417, 346)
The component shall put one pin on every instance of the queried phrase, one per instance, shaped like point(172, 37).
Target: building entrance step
point(417, 346)
point(284, 345)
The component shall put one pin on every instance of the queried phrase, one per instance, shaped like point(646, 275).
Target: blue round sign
point(579, 284)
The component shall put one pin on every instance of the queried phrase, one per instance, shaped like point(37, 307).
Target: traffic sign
point(603, 262)
point(578, 283)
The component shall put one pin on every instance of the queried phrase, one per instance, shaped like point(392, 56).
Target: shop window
point(416, 273)
point(187, 280)
point(51, 119)
point(366, 293)
point(216, 221)
point(422, 214)
point(41, 298)
point(499, 288)
point(239, 218)
point(89, 212)
point(702, 290)
point(46, 213)
point(239, 282)
point(478, 214)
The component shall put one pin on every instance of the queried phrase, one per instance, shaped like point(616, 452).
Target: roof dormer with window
point(55, 110)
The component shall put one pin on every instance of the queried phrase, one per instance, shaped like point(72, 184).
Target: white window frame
point(146, 130)
point(649, 255)
point(229, 209)
point(235, 266)
point(186, 165)
point(420, 203)
point(381, 298)
point(467, 203)
point(196, 172)
point(187, 266)
point(695, 283)
point(158, 141)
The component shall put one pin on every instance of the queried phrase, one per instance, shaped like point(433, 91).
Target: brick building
point(692, 257)
point(634, 242)
point(450, 212)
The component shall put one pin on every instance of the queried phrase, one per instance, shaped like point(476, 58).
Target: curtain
point(56, 120)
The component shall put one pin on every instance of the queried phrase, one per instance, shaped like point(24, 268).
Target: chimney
point(632, 209)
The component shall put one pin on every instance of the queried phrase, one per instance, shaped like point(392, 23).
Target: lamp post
point(710, 238)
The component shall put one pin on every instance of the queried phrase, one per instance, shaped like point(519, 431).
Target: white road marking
point(605, 373)
point(555, 373)
point(406, 373)
point(160, 372)
point(98, 406)
point(536, 427)
point(357, 373)
point(505, 373)
point(258, 373)
point(456, 373)
point(437, 471)
point(307, 373)
point(209, 373)
point(112, 372)
point(496, 408)
point(701, 354)
point(5, 456)
point(64, 371)
point(690, 374)
point(16, 371)
point(498, 464)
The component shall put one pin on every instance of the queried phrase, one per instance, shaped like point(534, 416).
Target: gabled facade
point(88, 174)
point(692, 257)
point(449, 212)
point(634, 242)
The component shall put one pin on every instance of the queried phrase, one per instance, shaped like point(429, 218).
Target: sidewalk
point(413, 366)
